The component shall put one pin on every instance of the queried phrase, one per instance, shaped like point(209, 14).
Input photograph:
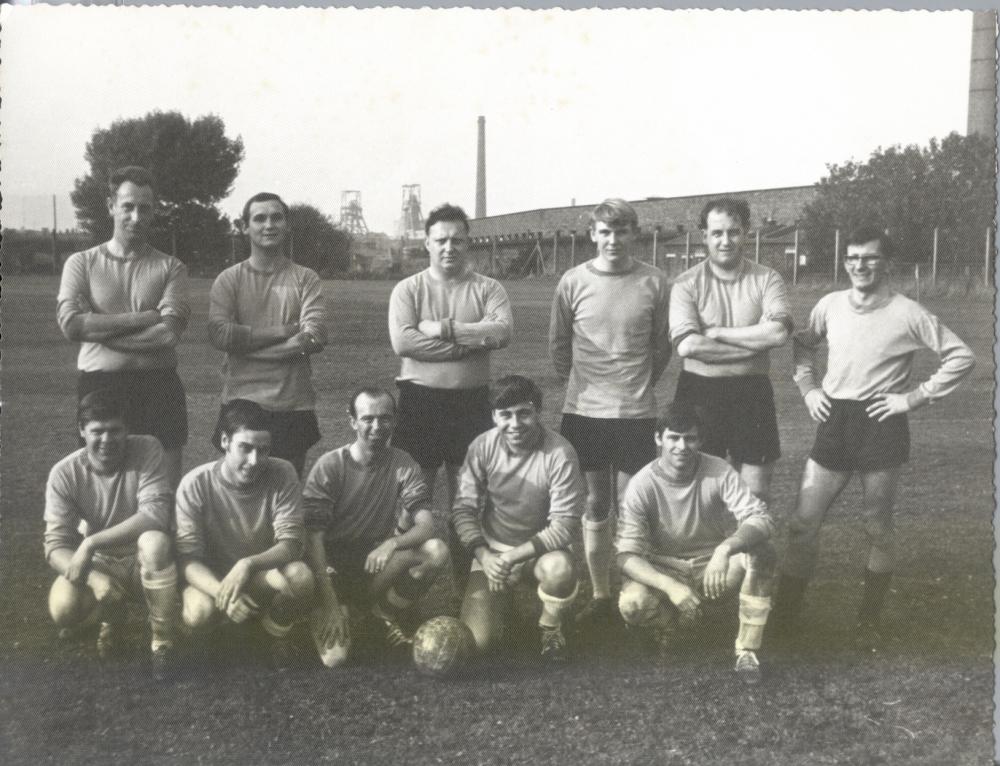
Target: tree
point(317, 242)
point(948, 184)
point(194, 165)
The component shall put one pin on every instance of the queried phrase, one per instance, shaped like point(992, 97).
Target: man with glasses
point(872, 333)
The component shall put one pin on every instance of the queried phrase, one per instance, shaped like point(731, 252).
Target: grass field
point(926, 700)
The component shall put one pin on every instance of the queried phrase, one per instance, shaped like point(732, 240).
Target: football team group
point(352, 548)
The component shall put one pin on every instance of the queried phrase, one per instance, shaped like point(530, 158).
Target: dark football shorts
point(849, 440)
point(436, 425)
point(737, 416)
point(154, 401)
point(348, 577)
point(292, 433)
point(627, 444)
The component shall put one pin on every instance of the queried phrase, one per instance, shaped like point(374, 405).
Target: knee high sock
point(753, 618)
point(876, 587)
point(163, 602)
point(553, 608)
point(599, 549)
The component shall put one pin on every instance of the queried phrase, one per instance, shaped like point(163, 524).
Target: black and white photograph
point(497, 386)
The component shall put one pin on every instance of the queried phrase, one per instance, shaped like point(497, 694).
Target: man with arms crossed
point(872, 333)
point(518, 509)
point(691, 530)
point(126, 304)
point(368, 517)
point(443, 323)
point(240, 534)
point(608, 339)
point(117, 485)
point(726, 313)
point(268, 315)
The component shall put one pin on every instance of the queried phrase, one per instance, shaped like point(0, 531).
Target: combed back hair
point(615, 212)
point(447, 212)
point(236, 414)
point(374, 392)
point(738, 208)
point(262, 197)
point(137, 175)
point(865, 234)
point(515, 389)
point(102, 404)
point(678, 417)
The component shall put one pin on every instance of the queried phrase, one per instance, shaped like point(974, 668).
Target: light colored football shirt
point(608, 337)
point(219, 523)
point(95, 281)
point(244, 298)
point(76, 492)
point(662, 518)
point(871, 349)
point(515, 498)
point(700, 299)
point(363, 505)
point(481, 306)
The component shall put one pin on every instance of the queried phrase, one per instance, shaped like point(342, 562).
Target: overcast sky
point(579, 105)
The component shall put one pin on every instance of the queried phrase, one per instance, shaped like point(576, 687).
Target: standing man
point(268, 315)
point(116, 493)
point(240, 534)
point(726, 314)
point(690, 531)
point(443, 323)
point(872, 333)
point(608, 338)
point(517, 511)
point(126, 304)
point(368, 516)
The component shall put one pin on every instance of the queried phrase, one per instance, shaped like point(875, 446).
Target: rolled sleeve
point(72, 300)
point(188, 508)
point(174, 301)
point(748, 509)
point(633, 522)
point(62, 517)
point(320, 496)
point(776, 305)
point(683, 312)
point(470, 497)
point(805, 343)
point(224, 332)
point(567, 492)
point(312, 318)
point(287, 515)
point(154, 494)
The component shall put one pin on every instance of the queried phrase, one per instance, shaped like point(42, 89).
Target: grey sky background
point(579, 104)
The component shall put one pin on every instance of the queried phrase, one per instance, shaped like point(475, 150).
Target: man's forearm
point(644, 572)
point(281, 553)
point(315, 557)
point(154, 338)
point(124, 533)
point(97, 328)
point(756, 337)
point(707, 350)
point(202, 578)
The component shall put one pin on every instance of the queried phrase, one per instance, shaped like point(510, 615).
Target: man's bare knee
point(300, 581)
point(154, 549)
point(69, 604)
point(434, 558)
point(556, 574)
point(197, 608)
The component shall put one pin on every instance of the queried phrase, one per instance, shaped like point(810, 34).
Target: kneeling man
point(690, 530)
point(518, 508)
point(240, 533)
point(116, 491)
point(371, 531)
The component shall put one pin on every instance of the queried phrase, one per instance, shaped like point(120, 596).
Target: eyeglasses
point(867, 260)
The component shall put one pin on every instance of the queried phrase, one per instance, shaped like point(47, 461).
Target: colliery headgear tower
point(481, 170)
point(352, 219)
point(411, 222)
point(983, 75)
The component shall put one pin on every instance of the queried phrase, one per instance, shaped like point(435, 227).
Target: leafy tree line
point(194, 164)
point(949, 184)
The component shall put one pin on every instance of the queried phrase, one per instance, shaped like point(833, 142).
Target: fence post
point(55, 244)
point(687, 250)
point(493, 257)
point(756, 246)
point(572, 249)
point(795, 263)
point(916, 278)
point(656, 231)
point(555, 252)
point(836, 255)
point(934, 259)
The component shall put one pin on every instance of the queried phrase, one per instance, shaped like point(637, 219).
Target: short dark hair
point(374, 392)
point(236, 414)
point(865, 234)
point(132, 173)
point(100, 405)
point(514, 389)
point(262, 197)
point(739, 208)
point(678, 416)
point(447, 212)
point(615, 211)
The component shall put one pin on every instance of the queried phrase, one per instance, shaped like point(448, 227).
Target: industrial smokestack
point(481, 170)
point(983, 75)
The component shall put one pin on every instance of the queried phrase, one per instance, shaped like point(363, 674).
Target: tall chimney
point(481, 170)
point(983, 75)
